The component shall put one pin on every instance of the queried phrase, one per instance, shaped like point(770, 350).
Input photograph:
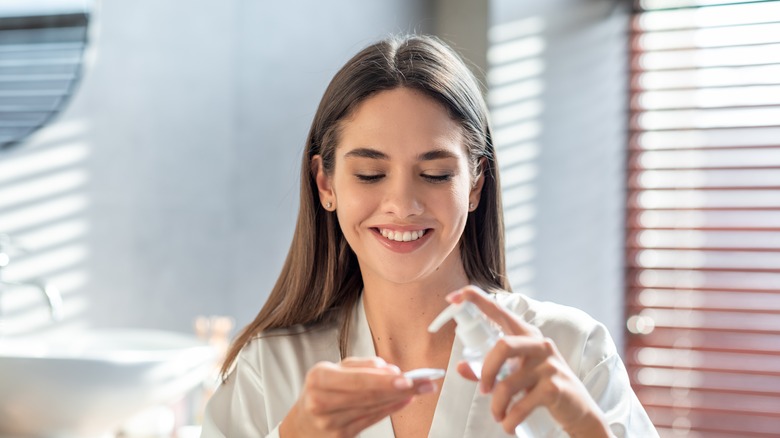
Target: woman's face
point(401, 187)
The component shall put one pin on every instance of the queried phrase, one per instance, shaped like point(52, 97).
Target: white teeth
point(402, 236)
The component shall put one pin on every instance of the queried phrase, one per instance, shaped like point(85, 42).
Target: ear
point(476, 187)
point(324, 185)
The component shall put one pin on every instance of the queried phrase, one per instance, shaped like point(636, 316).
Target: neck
point(399, 315)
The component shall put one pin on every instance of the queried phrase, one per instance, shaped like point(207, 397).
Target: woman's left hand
point(539, 370)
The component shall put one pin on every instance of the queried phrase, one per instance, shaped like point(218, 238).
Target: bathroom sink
point(86, 385)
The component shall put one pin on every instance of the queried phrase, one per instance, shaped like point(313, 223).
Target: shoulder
point(581, 339)
point(299, 344)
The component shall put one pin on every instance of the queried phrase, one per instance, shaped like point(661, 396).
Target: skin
point(401, 164)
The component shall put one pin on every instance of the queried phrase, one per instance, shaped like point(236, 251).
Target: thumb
point(465, 370)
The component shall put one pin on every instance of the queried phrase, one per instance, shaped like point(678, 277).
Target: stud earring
point(471, 206)
point(328, 205)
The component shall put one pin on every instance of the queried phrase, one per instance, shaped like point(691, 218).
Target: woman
point(400, 205)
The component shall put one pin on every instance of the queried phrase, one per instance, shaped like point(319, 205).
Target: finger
point(364, 362)
point(510, 389)
point(525, 351)
point(334, 377)
point(507, 320)
point(327, 402)
point(465, 370)
point(343, 419)
point(370, 362)
point(523, 407)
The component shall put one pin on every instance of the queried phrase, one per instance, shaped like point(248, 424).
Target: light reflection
point(657, 179)
point(42, 207)
point(511, 51)
point(516, 175)
point(718, 37)
point(515, 71)
point(515, 86)
point(671, 4)
point(710, 299)
point(518, 133)
point(41, 213)
point(44, 263)
point(758, 281)
point(696, 259)
point(710, 98)
point(710, 158)
point(711, 57)
point(682, 238)
point(519, 158)
point(516, 92)
point(35, 317)
point(670, 377)
point(711, 138)
point(519, 195)
point(728, 15)
point(517, 214)
point(671, 279)
point(22, 193)
point(710, 77)
point(695, 199)
point(675, 238)
point(687, 119)
point(56, 234)
point(41, 161)
point(513, 30)
point(713, 320)
point(516, 113)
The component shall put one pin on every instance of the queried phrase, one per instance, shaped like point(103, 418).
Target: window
point(703, 306)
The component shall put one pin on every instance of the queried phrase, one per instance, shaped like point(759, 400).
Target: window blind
point(40, 66)
point(703, 220)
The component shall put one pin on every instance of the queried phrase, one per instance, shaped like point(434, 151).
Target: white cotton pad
point(425, 374)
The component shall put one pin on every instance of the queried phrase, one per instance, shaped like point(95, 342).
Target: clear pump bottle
point(475, 331)
point(478, 335)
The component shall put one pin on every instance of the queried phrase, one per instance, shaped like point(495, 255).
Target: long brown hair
point(321, 273)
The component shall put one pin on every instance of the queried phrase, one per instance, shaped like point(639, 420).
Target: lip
point(401, 247)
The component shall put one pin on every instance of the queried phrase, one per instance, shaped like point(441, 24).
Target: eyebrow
point(436, 154)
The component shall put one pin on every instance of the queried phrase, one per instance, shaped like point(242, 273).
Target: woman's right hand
point(340, 400)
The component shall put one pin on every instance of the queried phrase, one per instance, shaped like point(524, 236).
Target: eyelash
point(431, 178)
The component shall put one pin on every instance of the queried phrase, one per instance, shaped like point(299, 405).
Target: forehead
point(401, 121)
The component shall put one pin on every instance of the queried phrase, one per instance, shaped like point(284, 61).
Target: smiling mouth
point(401, 236)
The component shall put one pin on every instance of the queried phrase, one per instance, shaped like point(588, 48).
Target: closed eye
point(369, 178)
point(437, 178)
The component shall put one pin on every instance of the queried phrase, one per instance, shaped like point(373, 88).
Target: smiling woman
point(400, 215)
point(414, 181)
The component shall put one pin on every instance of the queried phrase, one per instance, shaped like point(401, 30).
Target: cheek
point(353, 202)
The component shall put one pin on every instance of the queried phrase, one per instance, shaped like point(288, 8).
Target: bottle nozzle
point(444, 317)
point(473, 328)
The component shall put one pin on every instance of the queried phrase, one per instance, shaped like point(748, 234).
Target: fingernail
point(451, 296)
point(394, 369)
point(426, 387)
point(402, 383)
point(483, 389)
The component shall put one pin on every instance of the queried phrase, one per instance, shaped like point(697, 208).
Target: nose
point(403, 198)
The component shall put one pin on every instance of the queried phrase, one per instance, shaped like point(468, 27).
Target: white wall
point(182, 149)
point(562, 148)
point(185, 139)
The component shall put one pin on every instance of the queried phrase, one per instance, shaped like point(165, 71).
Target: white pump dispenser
point(478, 335)
point(475, 331)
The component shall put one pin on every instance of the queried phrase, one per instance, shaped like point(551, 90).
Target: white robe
point(269, 374)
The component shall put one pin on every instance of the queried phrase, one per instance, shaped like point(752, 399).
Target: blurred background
point(638, 142)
